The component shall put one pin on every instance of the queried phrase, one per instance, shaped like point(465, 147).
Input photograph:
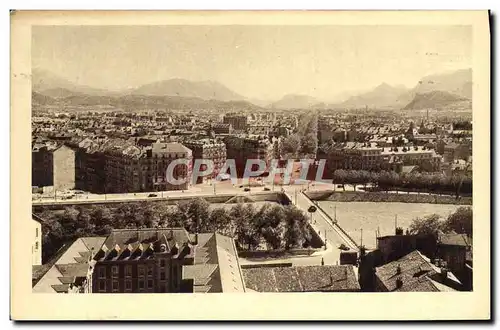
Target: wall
point(36, 246)
point(64, 168)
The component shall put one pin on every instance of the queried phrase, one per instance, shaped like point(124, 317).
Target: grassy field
point(353, 216)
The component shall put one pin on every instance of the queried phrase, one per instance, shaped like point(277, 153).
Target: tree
point(243, 226)
point(309, 144)
point(197, 211)
point(429, 225)
point(460, 221)
point(219, 220)
point(364, 178)
point(269, 223)
point(101, 216)
point(296, 227)
point(291, 144)
point(374, 177)
point(384, 180)
point(340, 176)
point(84, 225)
point(177, 216)
point(68, 222)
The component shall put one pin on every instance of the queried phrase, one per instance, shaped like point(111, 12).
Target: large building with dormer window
point(146, 261)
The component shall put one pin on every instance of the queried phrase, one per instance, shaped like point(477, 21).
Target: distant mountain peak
point(295, 101)
point(44, 81)
point(205, 90)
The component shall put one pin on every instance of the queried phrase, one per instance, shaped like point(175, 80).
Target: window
point(162, 276)
point(150, 284)
point(141, 270)
point(102, 286)
point(150, 271)
point(141, 284)
point(114, 271)
point(102, 272)
point(162, 263)
point(115, 286)
point(36, 245)
point(128, 271)
point(128, 285)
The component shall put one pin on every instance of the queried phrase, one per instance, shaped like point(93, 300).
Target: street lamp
point(311, 210)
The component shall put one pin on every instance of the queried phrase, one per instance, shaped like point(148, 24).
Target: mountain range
point(433, 91)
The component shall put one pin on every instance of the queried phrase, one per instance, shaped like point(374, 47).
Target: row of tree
point(305, 140)
point(281, 227)
point(457, 183)
point(459, 222)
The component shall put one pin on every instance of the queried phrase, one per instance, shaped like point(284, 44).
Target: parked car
point(266, 189)
point(339, 186)
point(152, 195)
point(343, 247)
point(246, 189)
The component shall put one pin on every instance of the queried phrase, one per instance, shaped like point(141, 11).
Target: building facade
point(250, 147)
point(53, 166)
point(208, 149)
point(119, 166)
point(238, 122)
point(142, 261)
point(36, 245)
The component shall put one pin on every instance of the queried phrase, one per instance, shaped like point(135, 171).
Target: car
point(343, 247)
point(266, 189)
point(339, 186)
point(241, 186)
point(152, 195)
point(246, 189)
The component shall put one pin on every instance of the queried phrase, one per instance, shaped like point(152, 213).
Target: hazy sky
point(264, 62)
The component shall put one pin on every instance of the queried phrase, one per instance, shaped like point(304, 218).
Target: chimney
point(398, 270)
point(399, 283)
point(444, 274)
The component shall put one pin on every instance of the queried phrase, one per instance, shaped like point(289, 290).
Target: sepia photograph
point(323, 158)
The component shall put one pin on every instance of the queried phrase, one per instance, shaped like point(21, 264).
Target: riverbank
point(351, 196)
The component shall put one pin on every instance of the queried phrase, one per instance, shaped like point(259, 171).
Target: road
point(322, 224)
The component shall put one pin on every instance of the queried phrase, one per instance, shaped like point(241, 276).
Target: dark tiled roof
point(75, 270)
point(60, 288)
point(415, 271)
point(301, 279)
point(454, 239)
point(140, 243)
point(216, 267)
point(94, 243)
point(260, 279)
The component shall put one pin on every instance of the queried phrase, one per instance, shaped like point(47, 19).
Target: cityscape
point(302, 161)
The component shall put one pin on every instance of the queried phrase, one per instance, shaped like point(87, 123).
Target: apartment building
point(243, 148)
point(53, 165)
point(222, 128)
point(369, 157)
point(209, 149)
point(130, 168)
point(167, 260)
point(238, 122)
